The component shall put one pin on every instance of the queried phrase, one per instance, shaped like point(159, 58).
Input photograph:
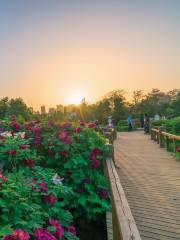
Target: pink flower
point(23, 146)
point(43, 187)
point(103, 193)
point(29, 163)
point(64, 136)
point(3, 178)
point(13, 118)
point(72, 230)
point(65, 125)
point(51, 199)
point(51, 123)
point(95, 164)
point(36, 130)
point(21, 234)
point(64, 153)
point(9, 237)
point(77, 130)
point(67, 140)
point(82, 124)
point(15, 126)
point(50, 151)
point(94, 153)
point(59, 229)
point(43, 234)
point(28, 126)
point(92, 125)
point(17, 235)
point(12, 153)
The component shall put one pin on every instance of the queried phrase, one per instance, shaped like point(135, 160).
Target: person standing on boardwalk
point(146, 123)
point(129, 121)
point(110, 122)
point(142, 121)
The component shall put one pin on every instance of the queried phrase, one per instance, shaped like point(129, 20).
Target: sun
point(75, 98)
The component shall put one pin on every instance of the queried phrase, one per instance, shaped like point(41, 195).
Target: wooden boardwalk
point(151, 181)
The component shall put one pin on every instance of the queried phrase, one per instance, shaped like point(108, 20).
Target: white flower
point(57, 180)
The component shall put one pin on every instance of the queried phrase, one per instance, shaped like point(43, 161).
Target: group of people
point(144, 122)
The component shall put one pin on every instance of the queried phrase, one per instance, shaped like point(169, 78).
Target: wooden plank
point(151, 181)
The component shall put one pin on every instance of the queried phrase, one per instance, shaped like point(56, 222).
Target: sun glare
point(75, 98)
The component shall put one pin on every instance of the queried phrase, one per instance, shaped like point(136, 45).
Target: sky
point(58, 51)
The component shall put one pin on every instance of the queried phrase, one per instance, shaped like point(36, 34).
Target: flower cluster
point(95, 163)
point(18, 234)
point(65, 137)
point(14, 124)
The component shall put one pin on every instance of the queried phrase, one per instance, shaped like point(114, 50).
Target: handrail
point(124, 225)
point(171, 136)
point(163, 138)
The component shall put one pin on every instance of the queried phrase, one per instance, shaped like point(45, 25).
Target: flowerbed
point(52, 175)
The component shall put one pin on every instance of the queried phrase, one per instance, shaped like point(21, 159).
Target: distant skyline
point(56, 52)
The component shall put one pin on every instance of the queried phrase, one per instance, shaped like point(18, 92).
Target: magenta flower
point(13, 118)
point(29, 163)
point(12, 153)
point(51, 123)
point(103, 193)
point(72, 230)
point(51, 199)
point(77, 130)
point(92, 125)
point(36, 130)
point(9, 237)
point(59, 229)
point(67, 140)
point(64, 153)
point(95, 164)
point(23, 146)
point(94, 153)
point(64, 136)
point(82, 124)
point(43, 234)
point(15, 126)
point(43, 187)
point(87, 181)
point(65, 125)
point(18, 234)
point(29, 125)
point(2, 178)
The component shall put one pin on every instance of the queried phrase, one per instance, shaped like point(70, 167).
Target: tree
point(3, 107)
point(18, 107)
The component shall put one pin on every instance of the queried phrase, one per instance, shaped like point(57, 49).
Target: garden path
point(150, 177)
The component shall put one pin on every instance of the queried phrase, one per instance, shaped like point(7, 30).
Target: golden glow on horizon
point(75, 98)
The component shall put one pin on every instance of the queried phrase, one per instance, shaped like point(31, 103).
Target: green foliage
point(22, 204)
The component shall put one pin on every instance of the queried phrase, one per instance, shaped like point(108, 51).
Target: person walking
point(142, 121)
point(129, 121)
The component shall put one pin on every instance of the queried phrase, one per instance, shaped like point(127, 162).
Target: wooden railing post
point(161, 138)
point(167, 143)
point(174, 145)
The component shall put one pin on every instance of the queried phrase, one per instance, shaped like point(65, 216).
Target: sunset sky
point(55, 52)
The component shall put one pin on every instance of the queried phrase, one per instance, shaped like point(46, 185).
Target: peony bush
point(52, 175)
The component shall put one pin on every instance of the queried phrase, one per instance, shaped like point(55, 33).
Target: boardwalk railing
point(124, 226)
point(163, 138)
